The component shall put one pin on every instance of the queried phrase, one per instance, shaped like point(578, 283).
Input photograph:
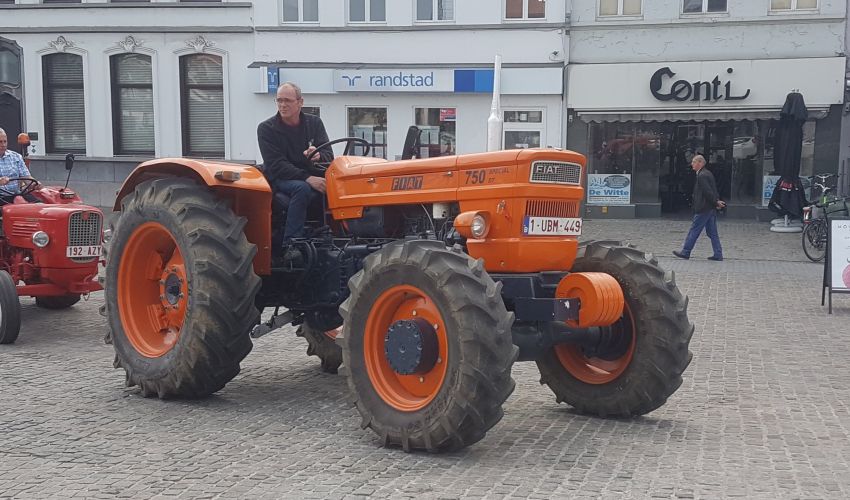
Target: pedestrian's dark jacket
point(705, 192)
point(282, 147)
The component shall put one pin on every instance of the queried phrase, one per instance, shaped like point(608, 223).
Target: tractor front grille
point(84, 229)
point(555, 172)
point(551, 208)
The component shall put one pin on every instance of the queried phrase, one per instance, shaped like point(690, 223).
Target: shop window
point(202, 105)
point(438, 131)
point(435, 10)
point(64, 103)
point(300, 11)
point(523, 129)
point(311, 110)
point(10, 68)
point(7, 2)
point(791, 5)
point(702, 6)
point(619, 8)
point(525, 9)
point(132, 104)
point(367, 11)
point(369, 124)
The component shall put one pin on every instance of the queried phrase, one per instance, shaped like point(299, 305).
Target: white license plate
point(83, 251)
point(551, 226)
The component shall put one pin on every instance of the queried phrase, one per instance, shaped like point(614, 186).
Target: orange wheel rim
point(152, 290)
point(597, 371)
point(403, 392)
point(333, 334)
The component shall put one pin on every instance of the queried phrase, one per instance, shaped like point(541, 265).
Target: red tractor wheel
point(427, 347)
point(641, 358)
point(180, 288)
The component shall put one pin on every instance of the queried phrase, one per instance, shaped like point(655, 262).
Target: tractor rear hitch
point(275, 322)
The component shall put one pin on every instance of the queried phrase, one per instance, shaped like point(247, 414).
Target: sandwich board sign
point(836, 272)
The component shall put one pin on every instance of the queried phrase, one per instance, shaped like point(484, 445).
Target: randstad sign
point(413, 80)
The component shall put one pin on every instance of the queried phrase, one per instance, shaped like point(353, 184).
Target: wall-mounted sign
point(836, 271)
point(448, 114)
point(663, 88)
point(413, 80)
point(609, 189)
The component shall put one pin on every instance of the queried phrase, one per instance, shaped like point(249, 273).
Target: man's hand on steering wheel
point(312, 156)
point(26, 185)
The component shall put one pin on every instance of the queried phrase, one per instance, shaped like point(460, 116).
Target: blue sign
point(414, 80)
point(273, 79)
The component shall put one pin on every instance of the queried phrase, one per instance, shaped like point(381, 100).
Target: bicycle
point(816, 229)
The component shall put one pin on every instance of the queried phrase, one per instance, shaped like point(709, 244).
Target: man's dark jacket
point(283, 147)
point(705, 192)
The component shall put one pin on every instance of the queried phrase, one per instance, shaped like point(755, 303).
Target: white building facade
point(118, 82)
point(651, 84)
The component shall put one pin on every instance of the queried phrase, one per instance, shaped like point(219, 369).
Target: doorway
point(11, 91)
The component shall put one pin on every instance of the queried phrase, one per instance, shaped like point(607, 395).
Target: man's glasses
point(281, 100)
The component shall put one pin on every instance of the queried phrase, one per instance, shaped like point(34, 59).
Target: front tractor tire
point(180, 288)
point(426, 347)
point(646, 351)
point(10, 310)
point(322, 344)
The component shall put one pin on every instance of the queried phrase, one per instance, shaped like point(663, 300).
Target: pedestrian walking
point(706, 202)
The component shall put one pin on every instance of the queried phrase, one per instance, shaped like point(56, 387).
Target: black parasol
point(789, 196)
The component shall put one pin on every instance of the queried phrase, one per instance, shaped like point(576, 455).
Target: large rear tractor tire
point(57, 302)
point(180, 288)
point(322, 344)
point(644, 363)
point(426, 347)
point(10, 310)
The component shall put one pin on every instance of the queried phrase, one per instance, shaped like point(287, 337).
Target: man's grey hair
point(2, 132)
point(699, 158)
point(295, 87)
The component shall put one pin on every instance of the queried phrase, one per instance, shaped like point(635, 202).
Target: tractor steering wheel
point(349, 142)
point(30, 185)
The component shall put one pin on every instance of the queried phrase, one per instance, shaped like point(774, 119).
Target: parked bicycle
point(816, 219)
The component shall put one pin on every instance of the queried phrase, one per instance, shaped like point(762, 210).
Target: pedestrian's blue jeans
point(300, 194)
point(707, 220)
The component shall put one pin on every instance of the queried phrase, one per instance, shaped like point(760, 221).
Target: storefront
point(641, 123)
point(450, 105)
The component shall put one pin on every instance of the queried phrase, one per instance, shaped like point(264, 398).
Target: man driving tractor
point(287, 143)
point(12, 166)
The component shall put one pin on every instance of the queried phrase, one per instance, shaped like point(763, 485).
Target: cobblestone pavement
point(764, 411)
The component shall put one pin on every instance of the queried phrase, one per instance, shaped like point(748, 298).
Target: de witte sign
point(609, 189)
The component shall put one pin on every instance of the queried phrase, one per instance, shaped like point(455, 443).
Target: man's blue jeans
point(708, 221)
point(300, 194)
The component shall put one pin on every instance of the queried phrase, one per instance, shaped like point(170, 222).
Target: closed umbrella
point(789, 196)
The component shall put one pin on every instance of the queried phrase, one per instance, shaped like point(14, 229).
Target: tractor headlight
point(40, 239)
point(107, 235)
point(478, 228)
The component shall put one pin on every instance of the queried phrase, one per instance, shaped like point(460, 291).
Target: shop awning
point(691, 115)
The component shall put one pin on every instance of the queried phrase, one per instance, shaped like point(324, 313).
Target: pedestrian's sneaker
point(681, 255)
point(714, 257)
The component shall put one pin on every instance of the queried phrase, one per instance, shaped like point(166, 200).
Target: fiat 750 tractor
point(422, 280)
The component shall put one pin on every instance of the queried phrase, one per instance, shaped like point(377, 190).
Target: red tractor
point(50, 248)
point(423, 280)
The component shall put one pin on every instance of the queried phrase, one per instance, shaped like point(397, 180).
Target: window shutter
point(65, 113)
point(132, 89)
point(203, 101)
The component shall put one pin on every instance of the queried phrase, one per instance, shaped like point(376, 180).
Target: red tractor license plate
point(551, 226)
point(83, 251)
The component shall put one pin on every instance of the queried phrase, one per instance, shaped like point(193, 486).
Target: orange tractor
point(424, 279)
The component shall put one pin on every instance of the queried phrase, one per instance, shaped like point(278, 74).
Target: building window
point(61, 1)
point(525, 9)
point(523, 129)
point(202, 105)
point(7, 2)
point(438, 136)
point(788, 5)
point(701, 6)
point(300, 11)
point(367, 11)
point(369, 124)
point(10, 68)
point(619, 7)
point(312, 110)
point(435, 10)
point(64, 103)
point(132, 104)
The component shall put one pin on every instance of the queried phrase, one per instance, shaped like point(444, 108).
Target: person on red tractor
point(11, 166)
point(286, 141)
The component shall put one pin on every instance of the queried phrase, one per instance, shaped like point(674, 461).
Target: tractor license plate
point(551, 226)
point(83, 251)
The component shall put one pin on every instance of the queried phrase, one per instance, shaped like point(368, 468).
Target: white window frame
point(434, 10)
point(704, 10)
point(524, 13)
point(368, 10)
point(619, 13)
point(793, 8)
point(524, 126)
point(300, 14)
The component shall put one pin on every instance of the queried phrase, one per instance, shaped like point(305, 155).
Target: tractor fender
point(244, 186)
